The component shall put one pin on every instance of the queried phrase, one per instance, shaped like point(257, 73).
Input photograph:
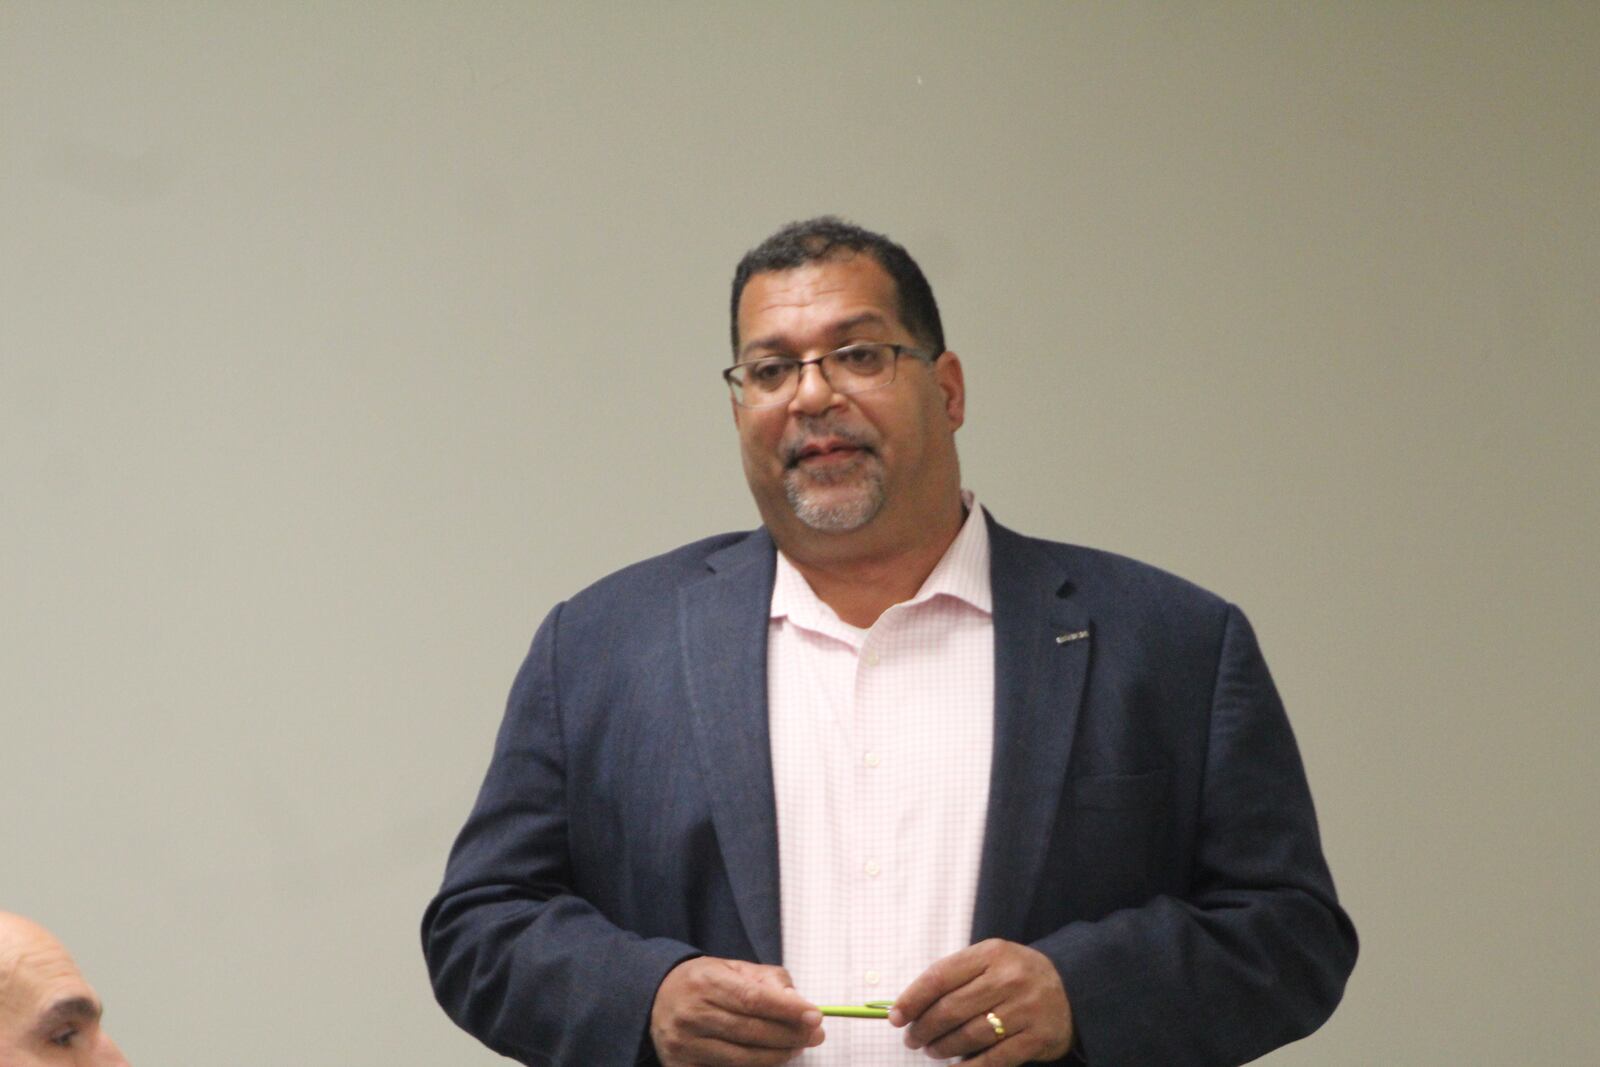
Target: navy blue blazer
point(1149, 825)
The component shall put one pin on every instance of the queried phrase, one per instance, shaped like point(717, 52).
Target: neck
point(860, 580)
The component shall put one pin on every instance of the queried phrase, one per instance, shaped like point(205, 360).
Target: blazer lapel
point(723, 625)
point(1041, 653)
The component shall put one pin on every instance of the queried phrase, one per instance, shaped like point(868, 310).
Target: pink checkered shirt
point(881, 742)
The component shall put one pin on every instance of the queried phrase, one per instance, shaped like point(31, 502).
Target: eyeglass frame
point(800, 365)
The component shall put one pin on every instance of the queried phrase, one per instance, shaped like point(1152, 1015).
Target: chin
point(836, 512)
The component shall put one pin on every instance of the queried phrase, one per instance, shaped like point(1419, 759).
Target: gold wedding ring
point(999, 1027)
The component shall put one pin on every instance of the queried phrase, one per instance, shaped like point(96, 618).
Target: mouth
point(825, 452)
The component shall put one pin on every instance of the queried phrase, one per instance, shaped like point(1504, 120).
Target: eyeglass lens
point(775, 380)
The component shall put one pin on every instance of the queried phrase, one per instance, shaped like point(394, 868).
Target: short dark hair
point(825, 236)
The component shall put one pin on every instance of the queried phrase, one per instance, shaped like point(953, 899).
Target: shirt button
point(872, 759)
point(872, 869)
point(871, 656)
point(871, 977)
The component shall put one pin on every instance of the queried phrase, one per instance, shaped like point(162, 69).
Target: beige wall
point(338, 341)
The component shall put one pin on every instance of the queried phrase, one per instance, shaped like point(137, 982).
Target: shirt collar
point(961, 573)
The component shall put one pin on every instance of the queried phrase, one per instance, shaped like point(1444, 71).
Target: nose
point(813, 393)
point(108, 1054)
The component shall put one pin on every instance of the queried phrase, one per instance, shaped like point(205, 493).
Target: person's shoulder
point(660, 577)
point(1096, 575)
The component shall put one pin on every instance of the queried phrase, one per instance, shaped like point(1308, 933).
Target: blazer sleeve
point(517, 958)
point(1256, 953)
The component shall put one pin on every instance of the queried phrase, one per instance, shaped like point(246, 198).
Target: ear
point(952, 385)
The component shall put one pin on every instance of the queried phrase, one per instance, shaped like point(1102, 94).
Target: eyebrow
point(69, 1010)
point(844, 326)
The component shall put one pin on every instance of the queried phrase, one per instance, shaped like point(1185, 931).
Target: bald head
point(49, 1016)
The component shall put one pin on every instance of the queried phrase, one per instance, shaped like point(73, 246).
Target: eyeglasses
point(773, 380)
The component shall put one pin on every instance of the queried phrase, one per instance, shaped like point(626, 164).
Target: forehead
point(35, 972)
point(809, 302)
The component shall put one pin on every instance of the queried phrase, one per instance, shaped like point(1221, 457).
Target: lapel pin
point(1075, 635)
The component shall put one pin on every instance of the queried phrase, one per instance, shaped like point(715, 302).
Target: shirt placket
point(872, 940)
point(835, 713)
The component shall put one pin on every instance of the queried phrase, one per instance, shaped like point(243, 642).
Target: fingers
point(716, 1053)
point(1029, 1046)
point(943, 976)
point(946, 1009)
point(978, 1035)
point(750, 989)
point(713, 1023)
point(765, 974)
point(761, 1001)
point(950, 992)
point(727, 1012)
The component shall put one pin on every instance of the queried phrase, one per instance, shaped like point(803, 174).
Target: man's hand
point(713, 1012)
point(947, 1008)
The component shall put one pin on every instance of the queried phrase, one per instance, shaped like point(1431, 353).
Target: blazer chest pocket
point(1119, 792)
point(1116, 833)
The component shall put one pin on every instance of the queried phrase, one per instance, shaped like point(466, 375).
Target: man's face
point(49, 1016)
point(833, 462)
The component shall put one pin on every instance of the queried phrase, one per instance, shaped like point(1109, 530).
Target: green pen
point(872, 1009)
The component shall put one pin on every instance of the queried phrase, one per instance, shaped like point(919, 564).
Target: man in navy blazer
point(1151, 886)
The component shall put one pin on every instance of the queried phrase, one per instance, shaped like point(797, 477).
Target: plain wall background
point(339, 341)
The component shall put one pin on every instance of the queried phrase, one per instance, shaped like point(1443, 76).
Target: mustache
point(811, 431)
